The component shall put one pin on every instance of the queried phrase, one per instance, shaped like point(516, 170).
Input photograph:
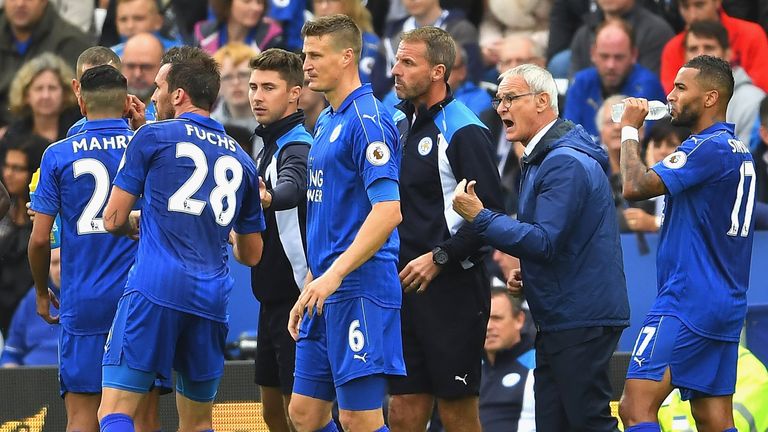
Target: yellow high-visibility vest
point(750, 402)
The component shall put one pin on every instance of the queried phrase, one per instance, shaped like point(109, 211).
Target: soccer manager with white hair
point(567, 239)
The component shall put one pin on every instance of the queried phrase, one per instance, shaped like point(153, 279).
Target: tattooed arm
point(118, 219)
point(638, 181)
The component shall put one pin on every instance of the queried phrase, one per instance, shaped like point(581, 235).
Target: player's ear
point(711, 98)
point(81, 104)
point(75, 86)
point(178, 96)
point(349, 56)
point(126, 105)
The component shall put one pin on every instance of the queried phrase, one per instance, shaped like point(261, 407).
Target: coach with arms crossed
point(569, 250)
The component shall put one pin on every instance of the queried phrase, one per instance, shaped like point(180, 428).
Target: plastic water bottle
point(656, 110)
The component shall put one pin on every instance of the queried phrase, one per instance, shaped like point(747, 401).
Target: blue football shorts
point(353, 338)
point(699, 366)
point(80, 362)
point(152, 338)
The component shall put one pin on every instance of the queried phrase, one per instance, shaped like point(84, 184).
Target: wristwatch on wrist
point(440, 256)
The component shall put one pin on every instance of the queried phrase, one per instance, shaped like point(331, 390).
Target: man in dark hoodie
point(275, 87)
point(569, 250)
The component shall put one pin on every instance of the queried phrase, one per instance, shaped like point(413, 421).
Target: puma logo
point(638, 360)
point(367, 116)
point(362, 358)
point(462, 379)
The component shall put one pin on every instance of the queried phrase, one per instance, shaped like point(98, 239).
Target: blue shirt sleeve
point(695, 161)
point(251, 217)
point(375, 147)
point(135, 164)
point(383, 190)
point(47, 198)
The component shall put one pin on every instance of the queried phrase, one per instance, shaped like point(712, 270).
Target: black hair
point(714, 73)
point(195, 72)
point(102, 77)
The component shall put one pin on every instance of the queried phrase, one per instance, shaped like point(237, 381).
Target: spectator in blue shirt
point(616, 70)
point(32, 341)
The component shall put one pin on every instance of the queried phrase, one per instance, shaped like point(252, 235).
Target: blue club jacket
point(566, 234)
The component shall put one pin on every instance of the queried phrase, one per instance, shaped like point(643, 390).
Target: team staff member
point(569, 250)
point(506, 393)
point(275, 87)
point(445, 311)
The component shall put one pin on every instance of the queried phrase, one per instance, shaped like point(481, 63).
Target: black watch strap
point(440, 256)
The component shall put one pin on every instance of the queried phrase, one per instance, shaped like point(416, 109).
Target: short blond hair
point(342, 30)
point(29, 71)
point(237, 51)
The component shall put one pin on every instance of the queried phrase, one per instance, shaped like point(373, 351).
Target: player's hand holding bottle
point(635, 111)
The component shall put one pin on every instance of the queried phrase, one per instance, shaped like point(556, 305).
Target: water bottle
point(656, 110)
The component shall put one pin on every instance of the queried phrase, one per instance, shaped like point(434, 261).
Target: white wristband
point(629, 133)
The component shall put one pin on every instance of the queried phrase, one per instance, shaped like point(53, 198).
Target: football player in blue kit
point(689, 339)
point(199, 188)
point(347, 319)
point(75, 177)
point(137, 113)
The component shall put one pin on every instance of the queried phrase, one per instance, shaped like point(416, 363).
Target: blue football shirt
point(197, 185)
point(353, 147)
point(705, 246)
point(76, 174)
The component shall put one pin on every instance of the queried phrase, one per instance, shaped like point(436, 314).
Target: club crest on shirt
point(425, 146)
point(675, 160)
point(510, 379)
point(377, 153)
point(335, 133)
